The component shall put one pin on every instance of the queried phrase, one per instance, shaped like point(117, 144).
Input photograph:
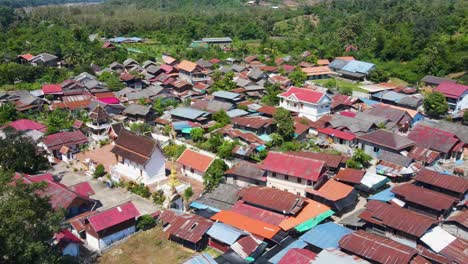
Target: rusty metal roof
point(273, 199)
point(377, 248)
point(424, 197)
point(188, 227)
point(444, 181)
point(398, 218)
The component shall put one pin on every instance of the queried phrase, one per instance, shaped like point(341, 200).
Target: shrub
point(99, 171)
point(158, 197)
point(145, 222)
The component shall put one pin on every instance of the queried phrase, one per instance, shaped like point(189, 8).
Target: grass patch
point(330, 83)
point(398, 82)
point(212, 252)
point(151, 246)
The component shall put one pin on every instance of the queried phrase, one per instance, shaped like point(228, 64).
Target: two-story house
point(308, 103)
point(455, 93)
point(139, 158)
point(293, 173)
point(191, 72)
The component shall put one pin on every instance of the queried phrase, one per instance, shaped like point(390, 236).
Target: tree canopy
point(435, 104)
point(284, 123)
point(214, 175)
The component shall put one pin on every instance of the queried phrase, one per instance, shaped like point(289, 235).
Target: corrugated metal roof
point(298, 256)
point(248, 224)
point(372, 180)
point(448, 182)
point(201, 259)
point(358, 66)
point(296, 244)
point(189, 113)
point(335, 256)
point(384, 196)
point(425, 197)
point(274, 199)
point(225, 233)
point(326, 235)
point(377, 248)
point(226, 95)
point(437, 239)
point(258, 213)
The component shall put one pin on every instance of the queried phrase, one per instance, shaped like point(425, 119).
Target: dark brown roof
point(388, 139)
point(134, 147)
point(99, 115)
point(187, 227)
point(460, 217)
point(331, 160)
point(273, 199)
point(350, 175)
point(253, 121)
point(444, 181)
point(377, 248)
point(247, 169)
point(398, 218)
point(424, 197)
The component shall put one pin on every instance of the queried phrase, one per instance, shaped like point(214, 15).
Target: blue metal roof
point(326, 235)
point(384, 196)
point(181, 125)
point(226, 94)
point(202, 206)
point(201, 259)
point(368, 101)
point(296, 244)
point(358, 66)
point(189, 113)
point(338, 64)
point(225, 233)
point(236, 113)
point(389, 96)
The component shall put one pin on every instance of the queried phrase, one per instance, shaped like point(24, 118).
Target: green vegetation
point(197, 134)
point(173, 150)
point(271, 94)
point(359, 160)
point(435, 104)
point(56, 120)
point(145, 222)
point(99, 171)
point(20, 154)
point(112, 81)
point(8, 113)
point(138, 188)
point(214, 175)
point(140, 128)
point(27, 223)
point(298, 77)
point(158, 197)
point(344, 87)
point(284, 123)
point(188, 193)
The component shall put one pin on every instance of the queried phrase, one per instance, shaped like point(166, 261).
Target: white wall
point(102, 243)
point(92, 242)
point(197, 175)
point(311, 111)
point(291, 185)
point(152, 172)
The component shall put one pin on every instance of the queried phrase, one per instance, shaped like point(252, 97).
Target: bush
point(158, 197)
point(139, 189)
point(99, 171)
point(146, 222)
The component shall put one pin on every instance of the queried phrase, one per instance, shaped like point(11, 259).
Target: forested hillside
point(24, 3)
point(407, 38)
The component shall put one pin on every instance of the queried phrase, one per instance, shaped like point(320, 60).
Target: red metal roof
point(65, 236)
point(257, 213)
point(195, 160)
point(26, 124)
point(433, 138)
point(350, 175)
point(27, 56)
point(255, 122)
point(292, 165)
point(248, 224)
point(83, 189)
point(303, 95)
point(424, 197)
point(337, 133)
point(397, 218)
point(377, 248)
point(298, 256)
point(423, 154)
point(456, 251)
point(52, 89)
point(113, 216)
point(57, 140)
point(266, 109)
point(274, 199)
point(444, 181)
point(452, 90)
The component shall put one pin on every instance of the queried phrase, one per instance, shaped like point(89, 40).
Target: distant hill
point(28, 3)
point(178, 4)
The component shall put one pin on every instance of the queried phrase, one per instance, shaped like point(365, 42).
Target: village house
point(376, 141)
point(341, 102)
point(455, 94)
point(63, 145)
point(447, 144)
point(338, 196)
point(245, 174)
point(109, 226)
point(24, 125)
point(434, 81)
point(68, 243)
point(333, 162)
point(396, 222)
point(401, 118)
point(194, 164)
point(394, 166)
point(365, 182)
point(190, 114)
point(139, 113)
point(443, 183)
point(226, 96)
point(191, 72)
point(131, 80)
point(139, 159)
point(425, 201)
point(307, 103)
point(99, 123)
point(317, 73)
point(45, 59)
point(211, 106)
point(189, 230)
point(222, 236)
point(352, 69)
point(256, 124)
point(292, 173)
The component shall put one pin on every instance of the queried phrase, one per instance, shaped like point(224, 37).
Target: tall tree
point(284, 123)
point(27, 223)
point(8, 113)
point(214, 175)
point(435, 104)
point(298, 77)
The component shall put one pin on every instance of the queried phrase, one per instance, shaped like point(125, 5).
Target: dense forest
point(407, 38)
point(24, 3)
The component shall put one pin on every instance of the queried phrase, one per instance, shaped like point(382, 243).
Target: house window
point(193, 226)
point(286, 177)
point(192, 171)
point(298, 193)
point(273, 174)
point(376, 149)
point(309, 182)
point(257, 182)
point(285, 189)
point(302, 105)
point(234, 177)
point(183, 167)
point(299, 180)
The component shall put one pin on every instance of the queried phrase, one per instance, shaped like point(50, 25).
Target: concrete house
point(191, 72)
point(307, 103)
point(139, 159)
point(194, 164)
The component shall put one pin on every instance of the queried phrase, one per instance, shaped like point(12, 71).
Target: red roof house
point(435, 139)
point(52, 89)
point(194, 164)
point(26, 124)
point(56, 141)
point(448, 184)
point(452, 90)
point(335, 194)
point(303, 95)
